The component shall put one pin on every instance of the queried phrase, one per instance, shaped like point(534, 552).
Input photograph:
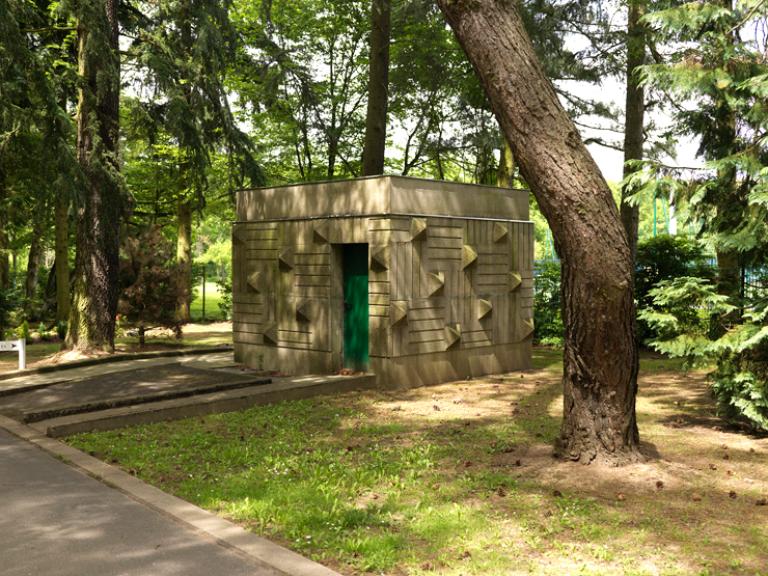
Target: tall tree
point(600, 355)
point(99, 204)
point(634, 119)
point(183, 53)
point(378, 89)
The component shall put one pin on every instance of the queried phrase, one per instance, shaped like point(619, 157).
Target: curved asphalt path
point(57, 521)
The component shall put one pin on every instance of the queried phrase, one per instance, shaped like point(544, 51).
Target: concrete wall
point(379, 195)
point(449, 297)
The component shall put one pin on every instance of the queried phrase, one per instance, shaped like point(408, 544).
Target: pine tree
point(600, 356)
point(183, 51)
point(100, 202)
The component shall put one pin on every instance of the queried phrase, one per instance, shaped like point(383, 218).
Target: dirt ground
point(700, 475)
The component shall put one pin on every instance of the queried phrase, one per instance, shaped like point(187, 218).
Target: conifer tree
point(718, 69)
point(100, 202)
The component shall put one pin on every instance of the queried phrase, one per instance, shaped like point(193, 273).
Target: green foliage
point(717, 66)
point(225, 297)
point(5, 307)
point(547, 305)
point(23, 331)
point(687, 313)
point(665, 257)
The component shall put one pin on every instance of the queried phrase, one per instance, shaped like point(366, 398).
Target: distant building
point(416, 281)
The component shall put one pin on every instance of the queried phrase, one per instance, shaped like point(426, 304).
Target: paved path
point(123, 389)
point(55, 520)
point(217, 360)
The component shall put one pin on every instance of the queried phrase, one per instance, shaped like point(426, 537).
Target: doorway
point(355, 272)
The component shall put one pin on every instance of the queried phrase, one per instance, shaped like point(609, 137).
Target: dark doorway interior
point(355, 265)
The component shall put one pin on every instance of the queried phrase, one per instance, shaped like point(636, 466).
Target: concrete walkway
point(215, 360)
point(55, 520)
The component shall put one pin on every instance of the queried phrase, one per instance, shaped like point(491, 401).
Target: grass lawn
point(459, 479)
point(212, 299)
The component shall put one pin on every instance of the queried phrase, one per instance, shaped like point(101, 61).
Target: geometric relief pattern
point(434, 284)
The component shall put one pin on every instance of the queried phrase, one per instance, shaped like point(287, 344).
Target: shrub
point(547, 306)
point(151, 286)
point(685, 315)
point(665, 257)
point(225, 297)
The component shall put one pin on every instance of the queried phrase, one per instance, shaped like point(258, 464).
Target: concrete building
point(413, 280)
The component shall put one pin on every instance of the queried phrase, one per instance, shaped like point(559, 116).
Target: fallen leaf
point(659, 484)
point(557, 494)
point(620, 497)
point(696, 497)
point(732, 495)
point(762, 502)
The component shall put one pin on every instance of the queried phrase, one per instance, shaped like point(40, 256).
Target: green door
point(355, 262)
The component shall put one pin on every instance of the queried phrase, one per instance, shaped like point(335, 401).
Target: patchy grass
point(459, 479)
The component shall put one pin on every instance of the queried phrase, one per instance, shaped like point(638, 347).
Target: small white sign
point(19, 346)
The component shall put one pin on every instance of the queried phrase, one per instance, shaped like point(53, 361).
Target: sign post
point(19, 346)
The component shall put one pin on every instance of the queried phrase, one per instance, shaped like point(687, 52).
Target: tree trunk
point(99, 203)
point(378, 89)
point(62, 255)
point(5, 268)
point(506, 167)
point(184, 259)
point(634, 116)
point(600, 356)
point(34, 257)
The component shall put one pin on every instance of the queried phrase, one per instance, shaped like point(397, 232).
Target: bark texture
point(378, 89)
point(184, 259)
point(634, 115)
point(61, 266)
point(600, 356)
point(99, 203)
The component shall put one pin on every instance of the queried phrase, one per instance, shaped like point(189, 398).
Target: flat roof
point(381, 195)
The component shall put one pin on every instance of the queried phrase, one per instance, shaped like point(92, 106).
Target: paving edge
point(198, 351)
point(227, 534)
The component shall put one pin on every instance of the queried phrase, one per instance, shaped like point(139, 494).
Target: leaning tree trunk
point(378, 89)
point(634, 116)
point(600, 356)
point(99, 203)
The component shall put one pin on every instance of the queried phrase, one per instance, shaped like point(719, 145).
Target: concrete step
point(229, 400)
point(37, 415)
